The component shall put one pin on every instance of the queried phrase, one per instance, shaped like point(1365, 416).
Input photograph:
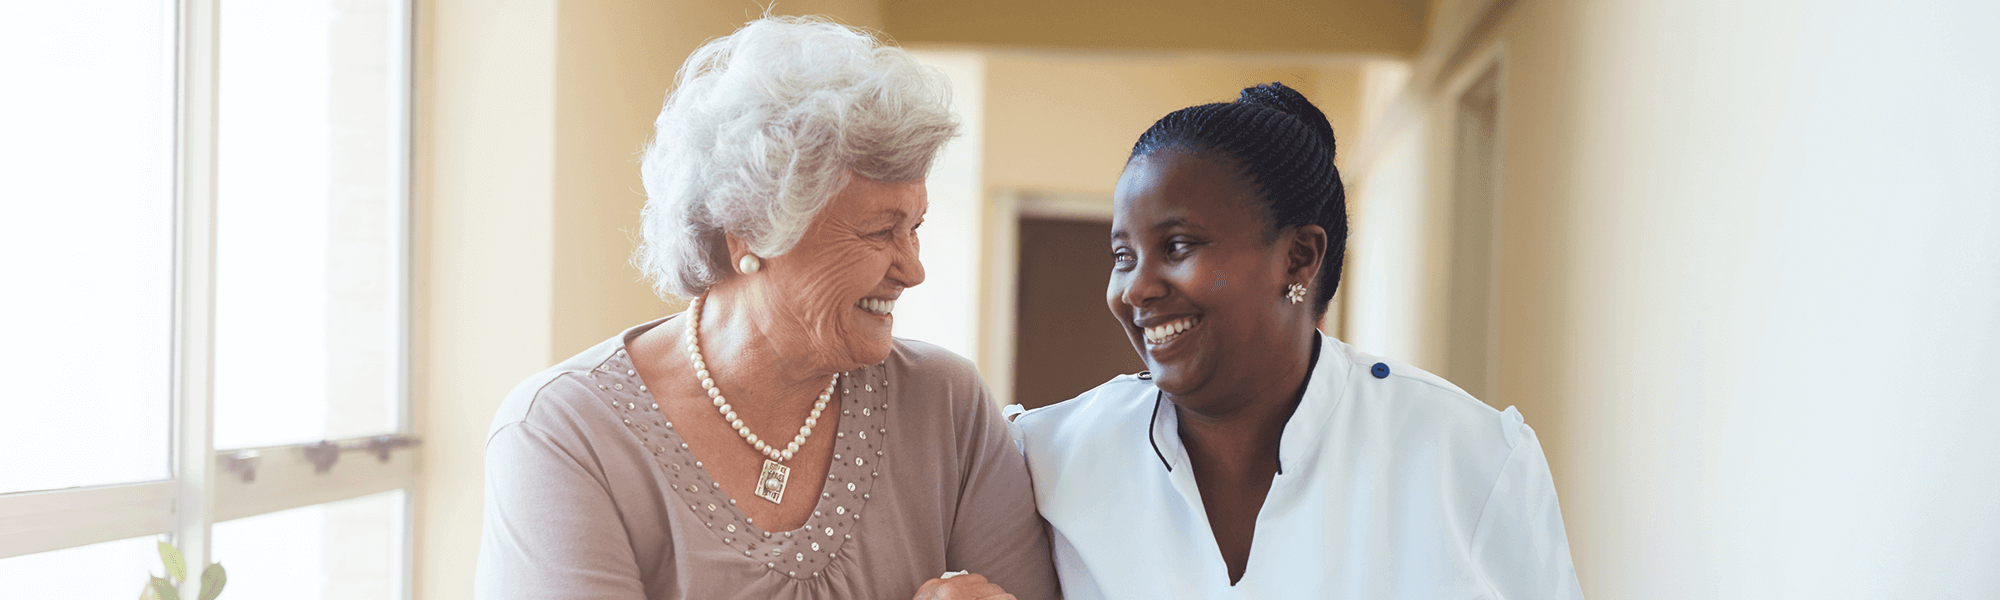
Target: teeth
point(877, 305)
point(1166, 331)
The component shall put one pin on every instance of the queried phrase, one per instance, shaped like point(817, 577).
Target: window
point(206, 264)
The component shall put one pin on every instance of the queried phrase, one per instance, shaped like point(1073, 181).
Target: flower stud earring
point(1296, 293)
point(749, 264)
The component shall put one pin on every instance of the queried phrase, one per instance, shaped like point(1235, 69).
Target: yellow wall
point(485, 144)
point(1065, 122)
point(1386, 27)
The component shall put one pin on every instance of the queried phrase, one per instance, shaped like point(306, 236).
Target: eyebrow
point(1182, 222)
point(886, 215)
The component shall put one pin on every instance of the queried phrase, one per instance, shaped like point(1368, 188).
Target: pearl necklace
point(774, 475)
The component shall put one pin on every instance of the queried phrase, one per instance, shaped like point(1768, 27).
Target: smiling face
point(833, 293)
point(1197, 282)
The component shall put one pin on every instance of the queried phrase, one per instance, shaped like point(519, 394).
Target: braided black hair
point(1285, 145)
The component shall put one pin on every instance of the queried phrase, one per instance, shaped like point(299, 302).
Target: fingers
point(970, 586)
point(984, 591)
point(929, 590)
point(967, 587)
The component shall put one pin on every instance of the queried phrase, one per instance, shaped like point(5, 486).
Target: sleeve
point(1519, 543)
point(551, 530)
point(996, 531)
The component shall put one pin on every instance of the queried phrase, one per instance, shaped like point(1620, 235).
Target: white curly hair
point(764, 126)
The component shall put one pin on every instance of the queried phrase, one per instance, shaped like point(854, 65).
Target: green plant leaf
point(164, 590)
point(177, 570)
point(212, 580)
point(146, 593)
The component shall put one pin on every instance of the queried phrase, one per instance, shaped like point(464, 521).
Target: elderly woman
point(773, 441)
point(1258, 458)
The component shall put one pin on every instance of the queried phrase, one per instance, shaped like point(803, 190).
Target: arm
point(997, 533)
point(551, 530)
point(1519, 543)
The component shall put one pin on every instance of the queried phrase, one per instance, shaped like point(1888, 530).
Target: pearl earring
point(749, 264)
point(1296, 293)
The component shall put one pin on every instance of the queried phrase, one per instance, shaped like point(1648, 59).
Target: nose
point(906, 268)
point(1136, 288)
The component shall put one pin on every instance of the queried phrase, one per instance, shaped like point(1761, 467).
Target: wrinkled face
point(1194, 281)
point(834, 291)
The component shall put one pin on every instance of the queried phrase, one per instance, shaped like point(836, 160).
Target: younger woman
point(1258, 458)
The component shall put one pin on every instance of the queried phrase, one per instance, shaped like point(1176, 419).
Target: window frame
point(206, 484)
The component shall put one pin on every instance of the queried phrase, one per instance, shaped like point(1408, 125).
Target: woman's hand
point(963, 587)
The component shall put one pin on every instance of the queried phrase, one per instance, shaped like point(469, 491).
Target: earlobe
point(749, 261)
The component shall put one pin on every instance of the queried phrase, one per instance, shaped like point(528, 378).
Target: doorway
point(1066, 341)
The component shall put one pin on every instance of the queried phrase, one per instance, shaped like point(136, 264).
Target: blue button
point(1381, 370)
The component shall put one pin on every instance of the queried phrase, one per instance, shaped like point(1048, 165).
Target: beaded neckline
point(800, 553)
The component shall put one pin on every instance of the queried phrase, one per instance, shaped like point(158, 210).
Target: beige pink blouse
point(590, 493)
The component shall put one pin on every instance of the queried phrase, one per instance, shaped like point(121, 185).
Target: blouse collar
point(1324, 389)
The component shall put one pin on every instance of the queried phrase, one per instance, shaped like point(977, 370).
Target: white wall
point(1749, 287)
point(944, 310)
point(1388, 250)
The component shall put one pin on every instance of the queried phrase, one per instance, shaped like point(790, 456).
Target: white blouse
point(1393, 483)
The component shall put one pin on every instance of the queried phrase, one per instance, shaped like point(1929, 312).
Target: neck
point(755, 369)
point(1240, 435)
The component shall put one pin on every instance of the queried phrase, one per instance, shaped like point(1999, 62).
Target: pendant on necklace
point(771, 484)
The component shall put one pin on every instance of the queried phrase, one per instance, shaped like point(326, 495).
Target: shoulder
point(935, 387)
point(1096, 443)
point(935, 376)
point(1120, 397)
point(561, 397)
point(926, 360)
point(1067, 428)
point(1426, 409)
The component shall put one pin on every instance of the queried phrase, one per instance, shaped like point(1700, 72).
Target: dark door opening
point(1066, 341)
